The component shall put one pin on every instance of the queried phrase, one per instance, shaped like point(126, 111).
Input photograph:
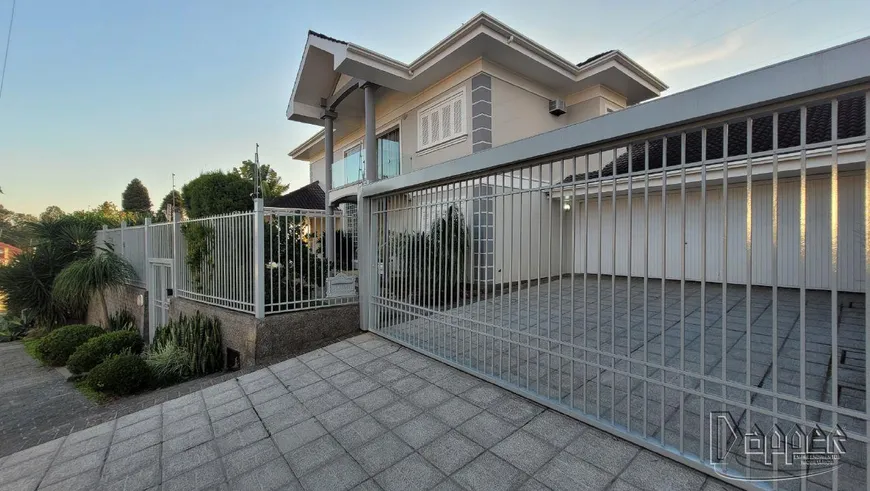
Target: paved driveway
point(359, 413)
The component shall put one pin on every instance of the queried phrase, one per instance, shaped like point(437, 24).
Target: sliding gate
point(698, 289)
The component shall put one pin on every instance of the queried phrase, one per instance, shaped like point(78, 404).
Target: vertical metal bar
point(541, 203)
point(775, 276)
point(748, 299)
point(645, 286)
point(259, 263)
point(549, 275)
point(585, 281)
point(682, 287)
point(703, 368)
point(598, 303)
point(529, 288)
point(835, 276)
point(628, 349)
point(613, 289)
point(513, 210)
point(724, 205)
point(574, 229)
point(664, 282)
point(560, 215)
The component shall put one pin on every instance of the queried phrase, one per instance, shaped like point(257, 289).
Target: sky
point(98, 92)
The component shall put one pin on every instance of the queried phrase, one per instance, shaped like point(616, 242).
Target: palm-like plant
point(83, 278)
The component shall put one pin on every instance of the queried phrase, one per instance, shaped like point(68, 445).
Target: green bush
point(97, 349)
point(200, 336)
point(169, 363)
point(56, 347)
point(122, 320)
point(119, 375)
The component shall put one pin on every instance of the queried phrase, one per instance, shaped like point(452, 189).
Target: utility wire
point(636, 41)
point(6, 54)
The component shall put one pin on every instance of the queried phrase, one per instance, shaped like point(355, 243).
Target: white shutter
point(458, 119)
point(424, 131)
point(442, 121)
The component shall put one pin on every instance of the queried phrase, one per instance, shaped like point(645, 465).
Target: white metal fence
point(303, 270)
point(709, 264)
point(259, 262)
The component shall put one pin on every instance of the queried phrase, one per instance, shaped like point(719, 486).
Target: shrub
point(200, 336)
point(169, 363)
point(122, 320)
point(97, 349)
point(14, 328)
point(119, 375)
point(56, 347)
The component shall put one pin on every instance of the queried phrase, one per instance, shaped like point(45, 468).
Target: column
point(329, 151)
point(371, 135)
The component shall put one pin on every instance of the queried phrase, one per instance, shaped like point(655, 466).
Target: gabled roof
point(309, 197)
point(851, 115)
point(326, 58)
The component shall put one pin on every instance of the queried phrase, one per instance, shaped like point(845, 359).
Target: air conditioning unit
point(557, 107)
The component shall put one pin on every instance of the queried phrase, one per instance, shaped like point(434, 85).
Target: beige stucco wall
point(518, 113)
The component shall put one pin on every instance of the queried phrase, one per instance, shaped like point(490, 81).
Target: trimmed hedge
point(56, 347)
point(119, 375)
point(97, 349)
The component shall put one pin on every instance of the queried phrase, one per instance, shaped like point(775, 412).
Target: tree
point(83, 278)
point(215, 192)
point(15, 228)
point(135, 198)
point(270, 182)
point(51, 213)
point(172, 199)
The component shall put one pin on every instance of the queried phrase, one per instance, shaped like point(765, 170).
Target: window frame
point(437, 105)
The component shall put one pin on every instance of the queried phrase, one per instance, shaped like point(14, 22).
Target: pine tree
point(135, 198)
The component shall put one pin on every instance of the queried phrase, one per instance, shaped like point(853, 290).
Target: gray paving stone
point(314, 454)
point(298, 381)
point(218, 413)
point(360, 359)
point(233, 422)
point(286, 418)
point(206, 475)
point(241, 437)
point(188, 399)
point(62, 471)
point(620, 485)
point(186, 441)
point(515, 409)
point(381, 453)
point(369, 485)
point(346, 377)
point(220, 398)
point(451, 452)
point(23, 484)
point(136, 429)
point(525, 451)
point(189, 459)
point(555, 428)
point(359, 432)
point(312, 391)
point(407, 385)
point(610, 453)
point(180, 427)
point(566, 471)
point(218, 388)
point(486, 429)
point(429, 396)
point(268, 394)
point(117, 469)
point(368, 394)
point(136, 417)
point(72, 450)
point(47, 448)
point(421, 430)
point(448, 485)
point(533, 485)
point(490, 473)
point(84, 481)
point(458, 383)
point(261, 383)
point(396, 413)
point(325, 402)
point(179, 414)
point(133, 445)
point(455, 411)
point(435, 372)
point(247, 458)
point(94, 431)
point(483, 395)
point(412, 473)
point(340, 474)
point(290, 363)
point(389, 374)
point(332, 369)
point(249, 378)
point(650, 471)
point(337, 417)
point(137, 479)
point(273, 406)
point(298, 435)
point(271, 476)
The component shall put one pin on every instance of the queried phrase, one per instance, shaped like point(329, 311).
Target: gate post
point(176, 251)
point(368, 264)
point(259, 260)
point(146, 326)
